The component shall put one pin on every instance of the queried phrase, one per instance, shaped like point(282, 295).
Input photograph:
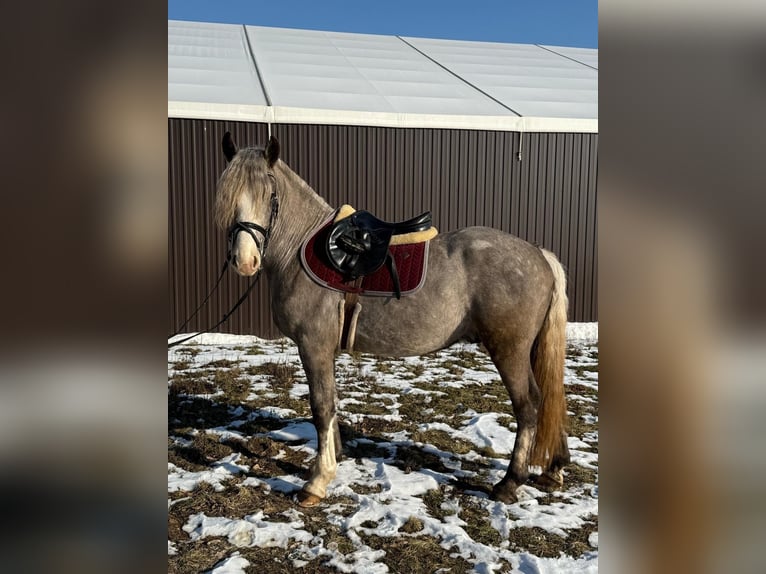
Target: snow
point(253, 530)
point(392, 495)
point(234, 564)
point(181, 479)
point(484, 431)
point(296, 431)
point(582, 332)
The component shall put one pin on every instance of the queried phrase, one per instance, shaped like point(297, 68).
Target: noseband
point(251, 228)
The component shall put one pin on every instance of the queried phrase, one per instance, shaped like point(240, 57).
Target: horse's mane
point(248, 171)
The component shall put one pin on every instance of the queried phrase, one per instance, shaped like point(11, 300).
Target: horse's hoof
point(547, 481)
point(504, 495)
point(306, 500)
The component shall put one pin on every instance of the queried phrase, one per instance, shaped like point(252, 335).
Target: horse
point(482, 285)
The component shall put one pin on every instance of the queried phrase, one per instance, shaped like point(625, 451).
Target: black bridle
point(250, 228)
point(236, 228)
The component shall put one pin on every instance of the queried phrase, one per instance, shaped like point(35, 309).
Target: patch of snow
point(362, 561)
point(182, 442)
point(251, 531)
point(274, 413)
point(588, 564)
point(555, 517)
point(224, 433)
point(258, 389)
point(234, 564)
point(582, 332)
point(217, 339)
point(584, 459)
point(299, 390)
point(223, 470)
point(484, 431)
point(302, 430)
point(181, 479)
point(229, 462)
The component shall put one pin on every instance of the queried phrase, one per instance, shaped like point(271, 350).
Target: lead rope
point(250, 286)
point(218, 281)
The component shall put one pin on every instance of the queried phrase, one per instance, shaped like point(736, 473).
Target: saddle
point(358, 243)
point(356, 253)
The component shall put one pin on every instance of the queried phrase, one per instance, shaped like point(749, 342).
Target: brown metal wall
point(465, 177)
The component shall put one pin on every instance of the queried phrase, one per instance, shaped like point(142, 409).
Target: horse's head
point(246, 202)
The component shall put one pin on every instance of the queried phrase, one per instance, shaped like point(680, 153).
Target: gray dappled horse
point(482, 285)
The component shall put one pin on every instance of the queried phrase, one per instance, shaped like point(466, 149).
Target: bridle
point(236, 228)
point(250, 228)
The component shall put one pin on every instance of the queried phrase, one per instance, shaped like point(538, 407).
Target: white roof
point(279, 75)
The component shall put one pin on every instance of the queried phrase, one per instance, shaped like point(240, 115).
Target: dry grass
point(222, 364)
point(198, 557)
point(204, 450)
point(370, 407)
point(417, 555)
point(281, 373)
point(190, 384)
point(542, 543)
point(443, 441)
point(449, 403)
point(186, 413)
point(411, 458)
point(477, 526)
point(413, 525)
point(433, 500)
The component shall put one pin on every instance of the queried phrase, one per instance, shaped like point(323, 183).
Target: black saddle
point(358, 244)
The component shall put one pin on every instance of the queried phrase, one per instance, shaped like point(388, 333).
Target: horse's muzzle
point(248, 267)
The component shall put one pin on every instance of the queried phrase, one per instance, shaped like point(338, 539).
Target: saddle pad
point(410, 262)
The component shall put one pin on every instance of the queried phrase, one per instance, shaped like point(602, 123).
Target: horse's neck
point(300, 211)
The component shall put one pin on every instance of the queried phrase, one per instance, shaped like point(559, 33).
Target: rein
point(235, 230)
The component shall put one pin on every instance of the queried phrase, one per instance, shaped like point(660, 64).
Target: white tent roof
point(252, 73)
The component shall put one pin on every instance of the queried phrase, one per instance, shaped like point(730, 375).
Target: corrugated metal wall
point(464, 177)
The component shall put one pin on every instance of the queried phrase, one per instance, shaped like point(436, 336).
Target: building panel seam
point(459, 77)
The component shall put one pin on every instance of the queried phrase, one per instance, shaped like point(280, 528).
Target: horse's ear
point(229, 147)
point(272, 151)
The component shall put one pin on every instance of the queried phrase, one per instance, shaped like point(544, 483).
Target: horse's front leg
point(320, 372)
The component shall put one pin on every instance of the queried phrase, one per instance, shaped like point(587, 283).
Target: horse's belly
point(398, 329)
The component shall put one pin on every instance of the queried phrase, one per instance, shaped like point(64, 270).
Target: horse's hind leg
point(553, 477)
point(516, 373)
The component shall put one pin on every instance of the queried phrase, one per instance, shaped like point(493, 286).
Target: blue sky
point(553, 22)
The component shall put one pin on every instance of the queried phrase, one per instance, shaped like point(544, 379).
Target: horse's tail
point(550, 447)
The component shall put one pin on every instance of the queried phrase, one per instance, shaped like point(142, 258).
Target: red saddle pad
point(410, 262)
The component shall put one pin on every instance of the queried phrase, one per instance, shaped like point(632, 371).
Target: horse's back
point(486, 244)
point(498, 264)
